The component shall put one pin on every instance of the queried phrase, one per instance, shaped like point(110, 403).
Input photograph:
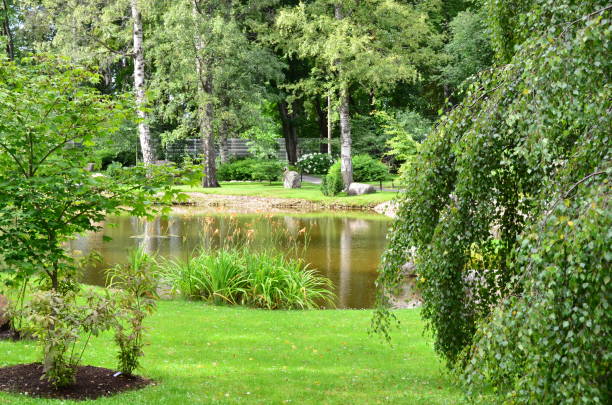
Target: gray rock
point(292, 179)
point(3, 308)
point(360, 189)
point(90, 167)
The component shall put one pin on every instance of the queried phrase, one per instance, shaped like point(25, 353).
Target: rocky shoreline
point(238, 203)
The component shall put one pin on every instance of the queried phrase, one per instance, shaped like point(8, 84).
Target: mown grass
point(310, 192)
point(202, 354)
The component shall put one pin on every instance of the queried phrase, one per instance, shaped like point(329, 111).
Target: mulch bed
point(91, 382)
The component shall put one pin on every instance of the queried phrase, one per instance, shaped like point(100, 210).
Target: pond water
point(344, 247)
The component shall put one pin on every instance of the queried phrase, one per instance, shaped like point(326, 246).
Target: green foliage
point(493, 173)
point(315, 163)
point(57, 320)
point(51, 118)
point(332, 184)
point(552, 343)
point(250, 169)
point(137, 285)
point(469, 50)
point(237, 276)
point(367, 169)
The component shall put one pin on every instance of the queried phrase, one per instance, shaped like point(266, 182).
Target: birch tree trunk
point(346, 162)
point(329, 126)
point(205, 109)
point(144, 133)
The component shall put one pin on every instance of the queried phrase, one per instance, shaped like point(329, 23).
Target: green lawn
point(217, 355)
point(309, 191)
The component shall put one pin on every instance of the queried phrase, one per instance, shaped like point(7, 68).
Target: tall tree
point(144, 132)
point(210, 76)
point(105, 33)
point(370, 44)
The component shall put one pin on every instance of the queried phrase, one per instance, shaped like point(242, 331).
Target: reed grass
point(240, 276)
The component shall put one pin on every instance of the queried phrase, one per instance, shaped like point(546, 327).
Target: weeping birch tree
point(371, 44)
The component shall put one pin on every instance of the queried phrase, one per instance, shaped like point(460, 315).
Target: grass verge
point(309, 192)
point(201, 354)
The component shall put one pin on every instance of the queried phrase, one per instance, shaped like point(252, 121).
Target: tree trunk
point(146, 143)
point(206, 114)
point(223, 142)
point(289, 132)
point(6, 29)
point(322, 121)
point(346, 163)
point(329, 126)
point(206, 108)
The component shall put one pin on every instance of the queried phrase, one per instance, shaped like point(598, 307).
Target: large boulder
point(360, 189)
point(292, 179)
point(3, 309)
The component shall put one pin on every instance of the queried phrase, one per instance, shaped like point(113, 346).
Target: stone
point(292, 179)
point(90, 167)
point(360, 189)
point(3, 308)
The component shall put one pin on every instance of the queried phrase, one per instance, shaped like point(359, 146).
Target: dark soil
point(91, 382)
point(6, 333)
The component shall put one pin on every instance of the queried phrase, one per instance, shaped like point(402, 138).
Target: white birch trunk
point(346, 162)
point(144, 133)
point(329, 126)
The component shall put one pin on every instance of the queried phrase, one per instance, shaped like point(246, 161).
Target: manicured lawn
point(216, 355)
point(310, 192)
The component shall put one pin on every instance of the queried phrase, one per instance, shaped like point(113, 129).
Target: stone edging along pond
point(247, 204)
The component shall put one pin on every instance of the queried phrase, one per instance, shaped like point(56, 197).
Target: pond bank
point(256, 204)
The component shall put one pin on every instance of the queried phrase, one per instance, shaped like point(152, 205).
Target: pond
point(345, 247)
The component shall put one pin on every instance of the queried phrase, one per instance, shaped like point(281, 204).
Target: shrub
point(332, 183)
point(270, 170)
point(137, 284)
point(56, 320)
point(315, 163)
point(368, 169)
point(365, 169)
point(250, 169)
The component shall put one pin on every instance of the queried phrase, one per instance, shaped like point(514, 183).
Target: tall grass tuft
point(265, 279)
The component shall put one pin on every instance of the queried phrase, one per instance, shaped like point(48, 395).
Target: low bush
point(136, 285)
point(58, 322)
point(368, 169)
point(250, 169)
point(332, 182)
point(238, 276)
point(365, 169)
point(315, 163)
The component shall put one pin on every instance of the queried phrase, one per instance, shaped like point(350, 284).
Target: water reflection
point(345, 249)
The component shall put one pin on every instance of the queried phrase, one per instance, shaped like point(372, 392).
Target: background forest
point(377, 72)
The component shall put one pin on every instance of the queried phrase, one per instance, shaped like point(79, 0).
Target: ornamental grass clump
point(265, 279)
